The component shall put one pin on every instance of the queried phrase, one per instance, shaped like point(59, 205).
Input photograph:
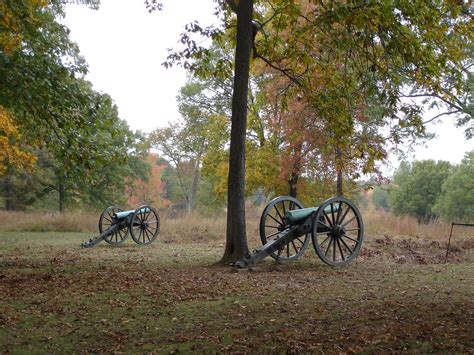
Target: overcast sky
point(125, 45)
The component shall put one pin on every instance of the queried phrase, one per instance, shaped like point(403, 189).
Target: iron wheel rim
point(272, 222)
point(144, 225)
point(338, 233)
point(106, 220)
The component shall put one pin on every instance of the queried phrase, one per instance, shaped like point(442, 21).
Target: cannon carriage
point(115, 225)
point(335, 228)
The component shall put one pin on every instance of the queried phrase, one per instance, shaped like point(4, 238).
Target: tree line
point(430, 190)
point(295, 97)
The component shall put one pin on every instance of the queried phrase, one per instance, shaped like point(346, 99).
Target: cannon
point(335, 228)
point(115, 225)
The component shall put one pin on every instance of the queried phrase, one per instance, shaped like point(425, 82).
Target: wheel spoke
point(266, 225)
point(349, 221)
point(334, 249)
point(294, 246)
point(151, 232)
point(324, 241)
point(145, 230)
point(354, 240)
point(299, 240)
point(277, 221)
point(329, 246)
point(352, 229)
point(147, 214)
point(340, 250)
point(327, 218)
point(338, 212)
point(332, 215)
point(272, 235)
point(347, 247)
point(279, 215)
point(148, 232)
point(344, 215)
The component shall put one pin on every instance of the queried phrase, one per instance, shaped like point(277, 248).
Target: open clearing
point(167, 297)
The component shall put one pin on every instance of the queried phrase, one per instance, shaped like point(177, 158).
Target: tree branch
point(233, 5)
point(441, 114)
point(285, 72)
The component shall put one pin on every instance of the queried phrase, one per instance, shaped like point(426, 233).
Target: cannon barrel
point(298, 216)
point(124, 214)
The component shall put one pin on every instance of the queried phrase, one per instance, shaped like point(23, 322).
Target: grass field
point(170, 297)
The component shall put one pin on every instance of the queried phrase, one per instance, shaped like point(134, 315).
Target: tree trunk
point(236, 239)
point(62, 193)
point(194, 186)
point(9, 193)
point(293, 184)
point(339, 190)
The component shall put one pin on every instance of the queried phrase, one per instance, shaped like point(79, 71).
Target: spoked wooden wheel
point(273, 221)
point(338, 231)
point(144, 225)
point(106, 220)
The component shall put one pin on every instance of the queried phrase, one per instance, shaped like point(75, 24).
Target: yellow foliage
point(10, 23)
point(10, 153)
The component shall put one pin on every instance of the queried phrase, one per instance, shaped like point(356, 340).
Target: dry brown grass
point(197, 228)
point(49, 222)
point(380, 222)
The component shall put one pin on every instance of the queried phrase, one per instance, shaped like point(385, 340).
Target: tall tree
point(456, 201)
point(416, 188)
point(341, 55)
point(42, 86)
point(149, 191)
point(186, 143)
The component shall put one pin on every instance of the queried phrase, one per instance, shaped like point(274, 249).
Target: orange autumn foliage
point(149, 192)
point(11, 153)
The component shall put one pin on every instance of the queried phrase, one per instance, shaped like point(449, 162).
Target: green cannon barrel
point(296, 216)
point(125, 214)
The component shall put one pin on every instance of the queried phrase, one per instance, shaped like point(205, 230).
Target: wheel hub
point(338, 231)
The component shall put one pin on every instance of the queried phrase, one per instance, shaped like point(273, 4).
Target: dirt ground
point(398, 296)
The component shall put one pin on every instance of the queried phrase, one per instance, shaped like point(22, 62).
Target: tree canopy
point(456, 200)
point(417, 186)
point(359, 66)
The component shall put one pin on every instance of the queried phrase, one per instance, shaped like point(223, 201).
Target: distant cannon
point(335, 227)
point(115, 224)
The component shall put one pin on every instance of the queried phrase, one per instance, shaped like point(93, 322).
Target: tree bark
point(292, 183)
point(61, 193)
point(295, 171)
point(339, 187)
point(236, 238)
point(194, 186)
point(9, 193)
